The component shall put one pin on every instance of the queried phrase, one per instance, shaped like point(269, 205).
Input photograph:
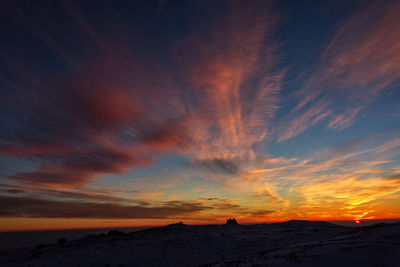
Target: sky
point(139, 113)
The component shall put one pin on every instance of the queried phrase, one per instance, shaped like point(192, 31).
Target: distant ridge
point(305, 223)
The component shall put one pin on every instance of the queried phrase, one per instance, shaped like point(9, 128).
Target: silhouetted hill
point(291, 243)
point(305, 223)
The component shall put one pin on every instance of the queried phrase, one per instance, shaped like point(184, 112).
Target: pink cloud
point(230, 69)
point(120, 108)
point(360, 62)
point(344, 120)
point(93, 122)
point(308, 118)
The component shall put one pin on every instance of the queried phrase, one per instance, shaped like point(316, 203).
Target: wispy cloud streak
point(232, 73)
point(120, 109)
point(359, 64)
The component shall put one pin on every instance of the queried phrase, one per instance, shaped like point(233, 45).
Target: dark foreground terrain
point(293, 243)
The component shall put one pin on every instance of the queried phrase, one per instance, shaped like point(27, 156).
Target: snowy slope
point(293, 243)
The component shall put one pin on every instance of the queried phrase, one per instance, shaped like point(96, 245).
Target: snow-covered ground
point(293, 243)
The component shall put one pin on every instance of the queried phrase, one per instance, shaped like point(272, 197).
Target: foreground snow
point(293, 243)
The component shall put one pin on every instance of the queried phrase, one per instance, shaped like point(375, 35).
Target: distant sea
point(10, 240)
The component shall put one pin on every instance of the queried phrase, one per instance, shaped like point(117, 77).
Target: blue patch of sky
point(10, 166)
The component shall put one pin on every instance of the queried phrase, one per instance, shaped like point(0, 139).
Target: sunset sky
point(137, 113)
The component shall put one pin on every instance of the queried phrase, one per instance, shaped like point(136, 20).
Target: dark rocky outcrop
point(231, 221)
point(177, 224)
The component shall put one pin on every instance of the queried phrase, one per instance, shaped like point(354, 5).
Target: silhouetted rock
point(61, 241)
point(231, 221)
point(177, 224)
point(101, 235)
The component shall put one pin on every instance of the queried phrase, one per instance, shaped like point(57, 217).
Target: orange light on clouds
point(202, 128)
